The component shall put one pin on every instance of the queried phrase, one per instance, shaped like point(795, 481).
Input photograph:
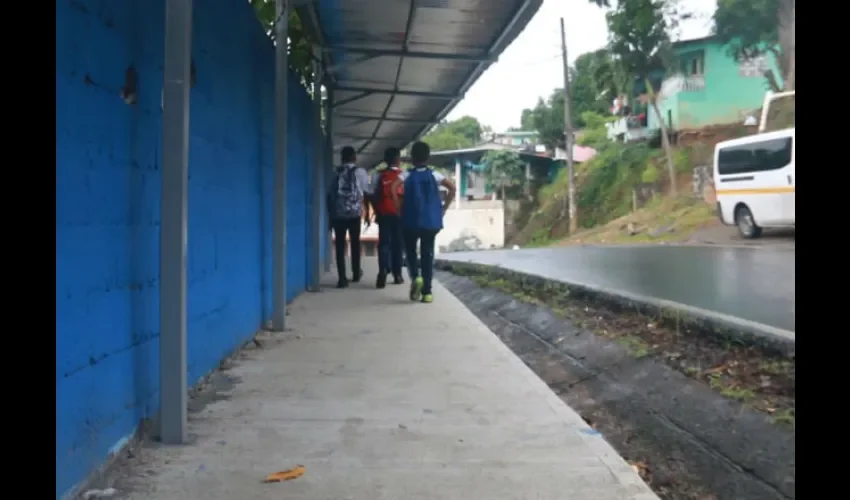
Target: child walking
point(422, 218)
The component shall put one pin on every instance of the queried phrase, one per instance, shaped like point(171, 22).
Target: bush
point(682, 160)
point(650, 174)
point(605, 192)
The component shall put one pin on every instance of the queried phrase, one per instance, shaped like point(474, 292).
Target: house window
point(693, 63)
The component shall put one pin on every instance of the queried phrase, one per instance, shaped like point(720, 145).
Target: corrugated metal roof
point(399, 66)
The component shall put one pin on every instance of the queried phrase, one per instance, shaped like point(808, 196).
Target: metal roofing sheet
point(398, 66)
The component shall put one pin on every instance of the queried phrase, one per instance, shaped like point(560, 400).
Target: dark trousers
point(340, 228)
point(390, 244)
point(425, 263)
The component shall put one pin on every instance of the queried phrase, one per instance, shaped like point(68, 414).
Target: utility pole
point(568, 137)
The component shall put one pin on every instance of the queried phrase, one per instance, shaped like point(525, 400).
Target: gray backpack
point(347, 198)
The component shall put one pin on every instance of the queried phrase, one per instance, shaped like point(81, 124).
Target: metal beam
point(174, 223)
point(349, 100)
point(329, 162)
point(409, 93)
point(373, 138)
point(473, 76)
point(470, 58)
point(335, 68)
point(281, 76)
point(408, 26)
point(318, 174)
point(354, 116)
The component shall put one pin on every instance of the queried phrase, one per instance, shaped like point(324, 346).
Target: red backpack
point(385, 205)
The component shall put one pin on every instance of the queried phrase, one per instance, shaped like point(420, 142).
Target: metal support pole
point(329, 166)
point(281, 78)
point(459, 182)
point(174, 218)
point(318, 173)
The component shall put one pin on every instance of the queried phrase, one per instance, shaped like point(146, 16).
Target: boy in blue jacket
point(422, 214)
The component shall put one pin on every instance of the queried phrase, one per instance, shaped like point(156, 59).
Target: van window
point(760, 156)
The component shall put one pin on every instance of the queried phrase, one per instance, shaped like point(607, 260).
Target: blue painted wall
point(107, 209)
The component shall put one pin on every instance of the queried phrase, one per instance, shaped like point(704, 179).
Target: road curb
point(679, 315)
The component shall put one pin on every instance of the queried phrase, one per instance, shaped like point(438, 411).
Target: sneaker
point(427, 298)
point(416, 288)
point(398, 280)
point(357, 276)
point(381, 282)
point(342, 284)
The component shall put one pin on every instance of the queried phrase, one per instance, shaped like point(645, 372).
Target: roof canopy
point(397, 67)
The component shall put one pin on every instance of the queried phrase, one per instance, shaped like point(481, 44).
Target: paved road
point(756, 285)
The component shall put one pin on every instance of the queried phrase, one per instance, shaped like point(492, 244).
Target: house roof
point(581, 154)
point(397, 68)
point(694, 41)
point(481, 148)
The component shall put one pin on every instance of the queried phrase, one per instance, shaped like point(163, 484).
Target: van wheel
point(746, 223)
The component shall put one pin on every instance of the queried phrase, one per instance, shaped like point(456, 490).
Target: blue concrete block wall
point(107, 209)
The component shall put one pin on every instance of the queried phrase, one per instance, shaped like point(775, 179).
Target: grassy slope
point(664, 220)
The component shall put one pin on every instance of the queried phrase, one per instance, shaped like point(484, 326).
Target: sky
point(531, 66)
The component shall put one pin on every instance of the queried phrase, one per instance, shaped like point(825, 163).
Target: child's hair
point(420, 152)
point(348, 155)
point(391, 155)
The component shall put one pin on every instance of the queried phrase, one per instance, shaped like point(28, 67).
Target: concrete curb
point(709, 322)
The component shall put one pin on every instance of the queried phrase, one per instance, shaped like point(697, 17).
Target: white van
point(754, 178)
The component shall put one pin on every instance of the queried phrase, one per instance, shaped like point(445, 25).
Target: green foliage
point(547, 119)
point(300, 51)
point(639, 36)
point(464, 132)
point(606, 190)
point(594, 79)
point(592, 85)
point(503, 169)
point(595, 134)
point(650, 174)
point(756, 27)
point(605, 183)
point(682, 160)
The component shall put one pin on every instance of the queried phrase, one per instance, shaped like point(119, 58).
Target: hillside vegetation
point(605, 188)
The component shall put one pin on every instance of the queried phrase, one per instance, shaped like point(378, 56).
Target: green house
point(707, 87)
point(711, 88)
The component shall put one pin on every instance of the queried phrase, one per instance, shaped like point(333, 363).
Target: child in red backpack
point(386, 203)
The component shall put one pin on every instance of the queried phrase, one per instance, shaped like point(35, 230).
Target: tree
point(587, 94)
point(526, 121)
point(300, 51)
point(639, 38)
point(595, 134)
point(547, 119)
point(503, 169)
point(609, 77)
point(754, 28)
point(464, 132)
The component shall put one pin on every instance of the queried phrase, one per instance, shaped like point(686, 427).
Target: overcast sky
point(531, 66)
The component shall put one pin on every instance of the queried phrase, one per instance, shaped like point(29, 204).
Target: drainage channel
point(688, 440)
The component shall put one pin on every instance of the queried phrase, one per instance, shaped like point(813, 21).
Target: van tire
point(746, 223)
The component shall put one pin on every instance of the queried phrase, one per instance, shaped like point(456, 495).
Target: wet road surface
point(755, 285)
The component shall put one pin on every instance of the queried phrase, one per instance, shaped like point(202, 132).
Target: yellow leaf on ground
point(286, 475)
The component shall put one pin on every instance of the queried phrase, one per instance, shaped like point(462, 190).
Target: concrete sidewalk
point(381, 398)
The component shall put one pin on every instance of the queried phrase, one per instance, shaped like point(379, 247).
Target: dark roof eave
point(508, 34)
